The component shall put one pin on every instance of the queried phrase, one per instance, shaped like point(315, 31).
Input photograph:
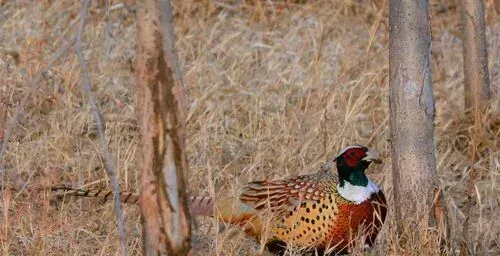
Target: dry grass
point(274, 90)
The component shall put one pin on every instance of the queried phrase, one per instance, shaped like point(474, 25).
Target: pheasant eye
point(353, 153)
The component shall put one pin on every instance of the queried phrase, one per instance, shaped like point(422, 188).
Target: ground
point(274, 89)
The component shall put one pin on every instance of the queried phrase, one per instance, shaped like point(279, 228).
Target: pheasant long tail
point(199, 205)
point(104, 195)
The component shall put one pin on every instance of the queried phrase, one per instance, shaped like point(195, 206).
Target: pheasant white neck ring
point(357, 194)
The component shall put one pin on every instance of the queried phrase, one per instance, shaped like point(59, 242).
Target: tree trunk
point(477, 85)
point(412, 112)
point(477, 94)
point(162, 159)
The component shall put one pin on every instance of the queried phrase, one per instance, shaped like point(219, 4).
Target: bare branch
point(3, 119)
point(110, 168)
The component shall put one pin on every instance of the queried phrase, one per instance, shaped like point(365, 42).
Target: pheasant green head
point(352, 163)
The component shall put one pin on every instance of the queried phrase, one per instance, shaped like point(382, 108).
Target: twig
point(110, 168)
point(325, 132)
point(3, 121)
point(377, 130)
point(466, 248)
point(373, 32)
point(108, 41)
point(3, 118)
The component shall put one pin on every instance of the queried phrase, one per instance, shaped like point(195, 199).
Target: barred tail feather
point(201, 205)
point(104, 195)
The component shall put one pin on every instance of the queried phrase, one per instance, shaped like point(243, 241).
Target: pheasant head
point(351, 163)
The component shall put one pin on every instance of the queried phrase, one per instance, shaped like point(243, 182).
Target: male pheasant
point(321, 211)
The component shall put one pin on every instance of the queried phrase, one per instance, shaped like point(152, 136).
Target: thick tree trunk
point(477, 86)
point(412, 116)
point(162, 159)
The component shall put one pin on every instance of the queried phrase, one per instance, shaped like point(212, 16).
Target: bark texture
point(162, 159)
point(477, 85)
point(412, 112)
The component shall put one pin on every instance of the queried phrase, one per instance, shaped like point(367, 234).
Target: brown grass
point(274, 90)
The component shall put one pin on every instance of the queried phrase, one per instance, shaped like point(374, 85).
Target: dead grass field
point(274, 90)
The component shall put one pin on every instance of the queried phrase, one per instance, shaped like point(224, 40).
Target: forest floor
point(274, 89)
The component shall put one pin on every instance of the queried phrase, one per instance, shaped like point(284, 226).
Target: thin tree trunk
point(162, 159)
point(477, 94)
point(412, 113)
point(475, 55)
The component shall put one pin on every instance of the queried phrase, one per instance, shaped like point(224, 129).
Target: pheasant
point(323, 211)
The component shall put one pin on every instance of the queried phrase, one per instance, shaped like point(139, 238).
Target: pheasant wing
point(284, 195)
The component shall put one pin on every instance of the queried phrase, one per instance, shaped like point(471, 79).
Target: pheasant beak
point(372, 156)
